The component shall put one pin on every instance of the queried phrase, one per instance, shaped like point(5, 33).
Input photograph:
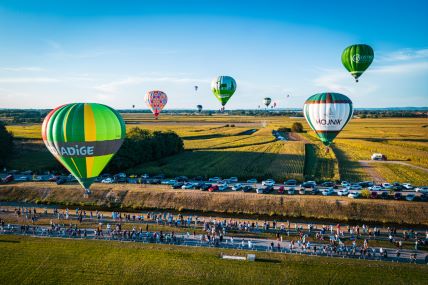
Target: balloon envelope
point(83, 137)
point(267, 101)
point(327, 114)
point(357, 58)
point(156, 100)
point(223, 88)
point(199, 107)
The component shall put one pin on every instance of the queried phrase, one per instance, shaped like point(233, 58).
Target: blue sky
point(112, 52)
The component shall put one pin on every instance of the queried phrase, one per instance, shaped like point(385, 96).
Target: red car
point(213, 188)
point(281, 190)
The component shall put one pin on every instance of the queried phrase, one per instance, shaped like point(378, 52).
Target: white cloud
point(29, 80)
point(400, 68)
point(114, 86)
point(23, 69)
point(404, 55)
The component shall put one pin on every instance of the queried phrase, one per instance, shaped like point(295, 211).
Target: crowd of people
point(307, 238)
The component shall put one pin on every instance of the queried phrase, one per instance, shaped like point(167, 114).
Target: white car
point(237, 187)
point(269, 182)
point(188, 186)
point(233, 179)
point(311, 182)
point(107, 180)
point(259, 190)
point(386, 185)
point(328, 191)
point(223, 187)
point(376, 188)
point(38, 178)
point(22, 178)
point(343, 192)
point(407, 186)
point(355, 187)
point(423, 189)
point(214, 179)
point(254, 180)
point(354, 195)
point(345, 184)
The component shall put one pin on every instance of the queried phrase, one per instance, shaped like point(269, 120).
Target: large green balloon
point(357, 58)
point(83, 137)
point(223, 88)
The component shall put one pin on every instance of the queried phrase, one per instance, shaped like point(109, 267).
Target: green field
point(224, 146)
point(27, 260)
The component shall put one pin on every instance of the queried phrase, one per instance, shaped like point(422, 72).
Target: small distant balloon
point(133, 106)
point(266, 101)
point(156, 100)
point(199, 107)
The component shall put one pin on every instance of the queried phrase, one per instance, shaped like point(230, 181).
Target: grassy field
point(214, 148)
point(136, 197)
point(27, 260)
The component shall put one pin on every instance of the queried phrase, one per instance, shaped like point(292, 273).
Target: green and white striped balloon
point(327, 114)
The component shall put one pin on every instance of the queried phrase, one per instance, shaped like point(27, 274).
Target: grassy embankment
point(27, 260)
point(136, 197)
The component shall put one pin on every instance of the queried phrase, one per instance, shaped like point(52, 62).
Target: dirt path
point(393, 162)
point(365, 165)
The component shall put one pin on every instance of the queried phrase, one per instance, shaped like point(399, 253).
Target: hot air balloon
point(266, 101)
point(274, 104)
point(83, 137)
point(357, 58)
point(156, 100)
point(223, 88)
point(133, 106)
point(199, 107)
point(327, 114)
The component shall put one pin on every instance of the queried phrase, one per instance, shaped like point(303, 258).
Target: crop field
point(56, 261)
point(243, 146)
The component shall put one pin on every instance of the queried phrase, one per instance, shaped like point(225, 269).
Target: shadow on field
point(9, 241)
point(265, 260)
point(244, 164)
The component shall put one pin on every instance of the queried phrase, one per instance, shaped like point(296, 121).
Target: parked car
point(281, 190)
point(61, 180)
point(423, 189)
point(38, 178)
point(169, 182)
point(187, 186)
point(407, 186)
point(213, 188)
point(8, 179)
point(181, 179)
point(214, 179)
point(374, 195)
point(366, 184)
point(378, 156)
point(384, 195)
point(376, 188)
point(343, 192)
point(354, 194)
point(328, 184)
point(177, 185)
point(107, 180)
point(410, 197)
point(267, 189)
point(71, 178)
point(247, 188)
point(253, 180)
point(153, 181)
point(386, 185)
point(233, 179)
point(291, 191)
point(345, 184)
point(54, 178)
point(237, 187)
point(259, 190)
point(268, 182)
point(22, 178)
point(206, 186)
point(308, 184)
point(198, 178)
point(198, 185)
point(355, 187)
point(145, 176)
point(327, 191)
point(223, 187)
point(302, 191)
point(397, 186)
point(290, 182)
point(398, 196)
point(424, 197)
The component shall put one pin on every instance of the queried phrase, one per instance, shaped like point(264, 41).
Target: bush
point(6, 145)
point(365, 193)
point(297, 127)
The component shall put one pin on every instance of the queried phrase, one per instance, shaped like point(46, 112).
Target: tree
point(6, 145)
point(297, 127)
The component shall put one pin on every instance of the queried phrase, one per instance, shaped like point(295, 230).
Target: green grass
point(27, 260)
